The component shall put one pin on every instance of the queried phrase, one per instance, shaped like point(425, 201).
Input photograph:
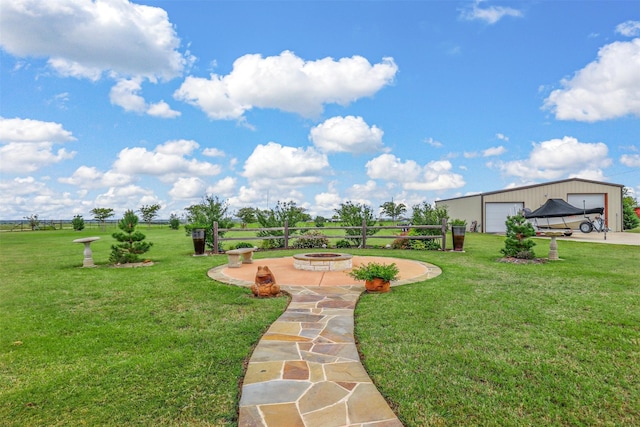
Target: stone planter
point(198, 236)
point(377, 285)
point(458, 232)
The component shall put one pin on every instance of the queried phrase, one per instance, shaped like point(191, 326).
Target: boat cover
point(557, 207)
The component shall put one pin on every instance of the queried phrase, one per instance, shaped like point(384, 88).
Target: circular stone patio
point(286, 275)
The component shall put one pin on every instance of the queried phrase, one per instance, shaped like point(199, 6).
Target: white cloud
point(605, 89)
point(224, 187)
point(166, 162)
point(629, 28)
point(490, 15)
point(122, 198)
point(630, 160)
point(346, 134)
point(213, 152)
point(86, 177)
point(28, 130)
point(286, 82)
point(188, 188)
point(84, 38)
point(494, 151)
point(274, 165)
point(502, 137)
point(559, 158)
point(432, 142)
point(125, 93)
point(28, 145)
point(435, 175)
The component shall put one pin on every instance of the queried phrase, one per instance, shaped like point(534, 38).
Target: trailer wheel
point(586, 227)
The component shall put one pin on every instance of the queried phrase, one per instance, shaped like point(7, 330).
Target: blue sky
point(121, 104)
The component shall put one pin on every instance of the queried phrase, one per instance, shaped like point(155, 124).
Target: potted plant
point(198, 235)
point(377, 277)
point(458, 228)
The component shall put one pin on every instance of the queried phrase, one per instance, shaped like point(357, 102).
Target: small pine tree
point(78, 223)
point(131, 241)
point(517, 244)
point(174, 222)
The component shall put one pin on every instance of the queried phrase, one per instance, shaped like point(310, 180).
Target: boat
point(556, 214)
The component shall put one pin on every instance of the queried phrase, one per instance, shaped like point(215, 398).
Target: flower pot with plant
point(458, 229)
point(377, 277)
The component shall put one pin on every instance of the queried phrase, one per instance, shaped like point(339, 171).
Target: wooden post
point(444, 234)
point(364, 233)
point(215, 237)
point(286, 234)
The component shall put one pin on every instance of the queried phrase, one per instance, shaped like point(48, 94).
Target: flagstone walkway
point(306, 371)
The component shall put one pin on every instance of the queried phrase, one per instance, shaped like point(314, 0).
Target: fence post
point(286, 234)
point(364, 233)
point(444, 234)
point(215, 237)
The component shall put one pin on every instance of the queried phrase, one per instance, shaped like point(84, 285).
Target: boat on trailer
point(556, 214)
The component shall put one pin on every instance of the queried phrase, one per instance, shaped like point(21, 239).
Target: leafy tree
point(320, 221)
point(393, 210)
point(101, 215)
point(426, 214)
point(202, 215)
point(246, 215)
point(78, 223)
point(174, 222)
point(287, 212)
point(517, 244)
point(352, 215)
point(132, 242)
point(149, 212)
point(629, 218)
point(34, 222)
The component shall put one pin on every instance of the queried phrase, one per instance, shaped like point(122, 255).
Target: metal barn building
point(490, 210)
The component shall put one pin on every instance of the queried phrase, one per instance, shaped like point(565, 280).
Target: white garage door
point(496, 215)
point(587, 201)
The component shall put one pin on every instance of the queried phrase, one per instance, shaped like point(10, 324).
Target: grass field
point(485, 343)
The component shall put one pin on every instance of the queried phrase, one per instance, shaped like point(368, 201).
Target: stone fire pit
point(322, 261)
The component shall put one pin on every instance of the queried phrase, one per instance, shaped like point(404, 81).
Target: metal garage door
point(496, 214)
point(586, 200)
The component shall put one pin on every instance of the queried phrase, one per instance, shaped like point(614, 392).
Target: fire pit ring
point(322, 261)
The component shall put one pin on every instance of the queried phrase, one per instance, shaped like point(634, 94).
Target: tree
point(202, 215)
point(352, 215)
point(320, 221)
point(393, 210)
point(34, 222)
point(78, 223)
point(426, 214)
point(246, 215)
point(284, 212)
point(517, 244)
point(149, 212)
point(101, 215)
point(630, 219)
point(132, 242)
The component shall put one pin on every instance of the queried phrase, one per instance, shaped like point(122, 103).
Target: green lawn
point(485, 343)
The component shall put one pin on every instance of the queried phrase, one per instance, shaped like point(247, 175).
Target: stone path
point(306, 370)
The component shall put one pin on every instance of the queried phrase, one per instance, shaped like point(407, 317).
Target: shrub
point(78, 223)
point(311, 239)
point(243, 245)
point(343, 244)
point(401, 244)
point(174, 222)
point(517, 244)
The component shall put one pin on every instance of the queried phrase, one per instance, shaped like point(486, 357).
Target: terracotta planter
point(377, 285)
point(198, 240)
point(458, 231)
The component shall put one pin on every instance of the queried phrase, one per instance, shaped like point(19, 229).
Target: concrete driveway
point(611, 238)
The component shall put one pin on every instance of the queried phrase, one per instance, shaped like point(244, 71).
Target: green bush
point(243, 245)
point(343, 244)
point(78, 223)
point(311, 239)
point(517, 244)
point(132, 242)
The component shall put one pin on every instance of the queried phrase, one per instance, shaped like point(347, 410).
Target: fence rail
point(289, 232)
